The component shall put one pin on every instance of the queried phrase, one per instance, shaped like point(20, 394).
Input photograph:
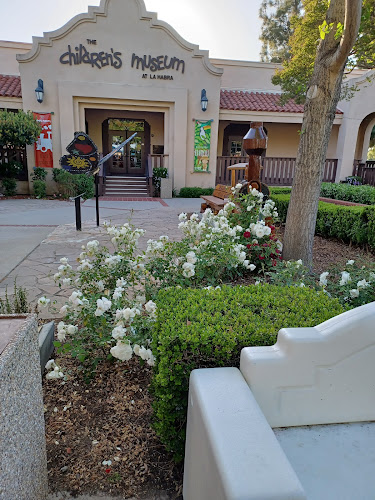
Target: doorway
point(131, 159)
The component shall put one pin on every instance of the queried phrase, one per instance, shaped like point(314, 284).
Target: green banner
point(202, 143)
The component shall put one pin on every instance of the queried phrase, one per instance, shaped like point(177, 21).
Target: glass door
point(131, 158)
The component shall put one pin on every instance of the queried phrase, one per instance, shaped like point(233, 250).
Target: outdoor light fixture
point(204, 100)
point(39, 91)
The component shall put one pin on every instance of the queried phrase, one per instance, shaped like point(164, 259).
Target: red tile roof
point(257, 101)
point(10, 86)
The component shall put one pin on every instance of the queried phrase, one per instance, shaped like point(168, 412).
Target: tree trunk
point(319, 113)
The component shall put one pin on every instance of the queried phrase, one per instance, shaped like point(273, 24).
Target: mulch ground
point(106, 420)
point(110, 420)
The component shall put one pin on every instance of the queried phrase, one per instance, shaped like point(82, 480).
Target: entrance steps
point(136, 187)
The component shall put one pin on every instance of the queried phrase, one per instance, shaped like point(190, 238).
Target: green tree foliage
point(277, 28)
point(295, 75)
point(18, 129)
point(307, 32)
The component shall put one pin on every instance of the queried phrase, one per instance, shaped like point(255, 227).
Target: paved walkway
point(35, 234)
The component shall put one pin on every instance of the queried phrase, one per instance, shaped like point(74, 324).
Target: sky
point(228, 29)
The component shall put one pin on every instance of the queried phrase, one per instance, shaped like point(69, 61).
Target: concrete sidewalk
point(35, 234)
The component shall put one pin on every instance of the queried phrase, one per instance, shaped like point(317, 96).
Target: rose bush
point(111, 310)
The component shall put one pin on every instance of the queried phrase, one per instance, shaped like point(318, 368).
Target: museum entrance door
point(130, 159)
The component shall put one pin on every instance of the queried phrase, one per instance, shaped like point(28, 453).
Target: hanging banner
point(43, 146)
point(202, 143)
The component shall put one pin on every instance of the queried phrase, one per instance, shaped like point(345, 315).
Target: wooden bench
point(218, 199)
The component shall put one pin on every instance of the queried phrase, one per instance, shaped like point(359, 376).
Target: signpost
point(83, 158)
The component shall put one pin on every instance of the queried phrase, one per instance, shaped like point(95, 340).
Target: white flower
point(92, 246)
point(188, 269)
point(362, 284)
point(350, 262)
point(126, 313)
point(118, 332)
point(55, 373)
point(191, 257)
point(43, 302)
point(150, 307)
point(302, 285)
point(66, 281)
point(164, 238)
point(345, 278)
point(64, 309)
point(64, 261)
point(136, 349)
point(122, 351)
point(354, 293)
point(323, 279)
point(75, 299)
point(182, 216)
point(103, 305)
point(120, 282)
point(117, 294)
point(50, 364)
point(72, 329)
point(299, 263)
point(84, 265)
point(56, 276)
point(151, 360)
point(248, 266)
point(100, 285)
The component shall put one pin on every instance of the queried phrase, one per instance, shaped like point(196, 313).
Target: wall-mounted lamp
point(39, 91)
point(204, 100)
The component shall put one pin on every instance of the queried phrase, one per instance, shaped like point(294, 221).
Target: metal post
point(97, 198)
point(77, 201)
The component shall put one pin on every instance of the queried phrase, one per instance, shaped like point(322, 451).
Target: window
point(236, 148)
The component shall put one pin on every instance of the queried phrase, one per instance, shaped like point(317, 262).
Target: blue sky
point(228, 29)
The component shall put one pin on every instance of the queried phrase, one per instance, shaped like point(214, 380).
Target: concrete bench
point(315, 388)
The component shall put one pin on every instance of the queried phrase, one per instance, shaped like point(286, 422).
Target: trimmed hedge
point(280, 190)
point(350, 224)
point(347, 192)
point(194, 192)
point(198, 328)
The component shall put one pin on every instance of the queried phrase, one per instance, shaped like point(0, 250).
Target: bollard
point(77, 202)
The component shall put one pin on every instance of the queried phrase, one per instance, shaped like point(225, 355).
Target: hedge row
point(195, 192)
point(198, 328)
point(347, 192)
point(350, 224)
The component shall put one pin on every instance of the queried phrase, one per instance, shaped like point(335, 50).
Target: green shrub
point(347, 192)
point(73, 184)
point(280, 190)
point(39, 188)
point(350, 224)
point(195, 192)
point(39, 174)
point(15, 304)
point(9, 186)
point(208, 328)
point(10, 169)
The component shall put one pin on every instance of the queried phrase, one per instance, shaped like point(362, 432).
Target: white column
point(346, 145)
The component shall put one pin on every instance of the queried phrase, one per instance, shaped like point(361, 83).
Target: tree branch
point(353, 9)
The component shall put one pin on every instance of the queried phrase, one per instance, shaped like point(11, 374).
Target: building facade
point(117, 70)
